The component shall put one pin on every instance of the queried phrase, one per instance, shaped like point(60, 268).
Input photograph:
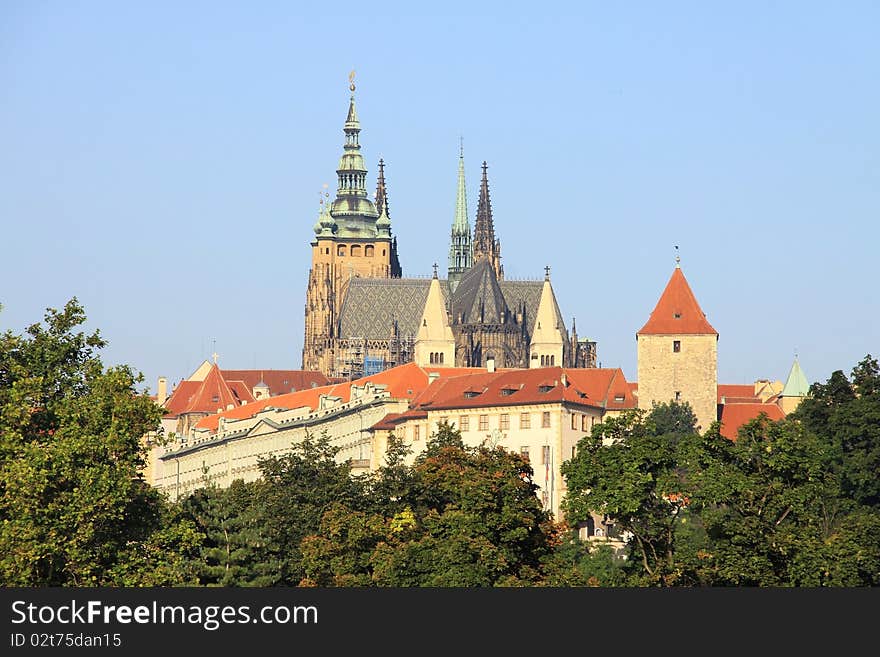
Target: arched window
point(441, 357)
point(355, 250)
point(368, 251)
point(340, 250)
point(552, 361)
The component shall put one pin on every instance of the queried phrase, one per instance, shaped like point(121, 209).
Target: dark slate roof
point(478, 297)
point(371, 303)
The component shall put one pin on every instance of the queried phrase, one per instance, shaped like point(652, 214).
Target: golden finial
point(351, 81)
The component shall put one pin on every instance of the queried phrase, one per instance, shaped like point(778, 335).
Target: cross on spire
point(547, 272)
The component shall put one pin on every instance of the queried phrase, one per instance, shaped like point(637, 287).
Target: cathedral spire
point(352, 209)
point(485, 244)
point(382, 191)
point(460, 250)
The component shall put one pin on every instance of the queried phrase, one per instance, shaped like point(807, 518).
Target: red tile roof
point(215, 394)
point(280, 382)
point(733, 416)
point(603, 388)
point(402, 382)
point(737, 391)
point(677, 312)
point(181, 397)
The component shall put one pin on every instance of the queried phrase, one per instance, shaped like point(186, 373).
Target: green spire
point(796, 385)
point(461, 224)
point(460, 252)
point(353, 210)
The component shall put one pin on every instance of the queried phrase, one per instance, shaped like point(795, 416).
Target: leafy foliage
point(74, 508)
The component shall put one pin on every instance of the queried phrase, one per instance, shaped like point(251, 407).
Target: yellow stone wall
point(693, 372)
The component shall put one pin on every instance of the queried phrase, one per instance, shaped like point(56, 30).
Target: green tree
point(295, 491)
point(578, 563)
point(629, 469)
point(231, 553)
point(74, 508)
point(458, 517)
point(845, 414)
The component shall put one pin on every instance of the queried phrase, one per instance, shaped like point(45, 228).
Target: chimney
point(162, 391)
point(490, 364)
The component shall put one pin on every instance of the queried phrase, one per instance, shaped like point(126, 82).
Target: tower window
point(356, 251)
point(676, 346)
point(340, 250)
point(368, 251)
point(678, 395)
point(383, 251)
point(327, 251)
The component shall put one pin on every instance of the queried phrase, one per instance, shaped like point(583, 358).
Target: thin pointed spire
point(382, 191)
point(485, 244)
point(461, 255)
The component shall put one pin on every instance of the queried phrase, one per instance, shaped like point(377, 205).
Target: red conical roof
point(677, 312)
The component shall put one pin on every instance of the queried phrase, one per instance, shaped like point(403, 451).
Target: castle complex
point(388, 355)
point(362, 316)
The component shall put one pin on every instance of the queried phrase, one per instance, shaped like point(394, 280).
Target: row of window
point(525, 421)
point(436, 358)
point(355, 251)
point(586, 422)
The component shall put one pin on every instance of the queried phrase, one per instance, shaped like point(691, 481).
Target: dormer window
point(676, 315)
point(545, 388)
point(506, 392)
point(470, 394)
point(618, 398)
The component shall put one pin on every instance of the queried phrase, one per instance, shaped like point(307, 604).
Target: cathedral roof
point(478, 298)
point(371, 304)
point(677, 312)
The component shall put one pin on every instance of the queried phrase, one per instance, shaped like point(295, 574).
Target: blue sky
point(163, 162)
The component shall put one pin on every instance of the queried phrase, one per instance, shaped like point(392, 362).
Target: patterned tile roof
point(371, 304)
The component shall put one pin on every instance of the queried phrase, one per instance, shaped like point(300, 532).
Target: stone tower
point(678, 353)
point(352, 239)
point(435, 344)
point(461, 255)
point(485, 244)
point(546, 347)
